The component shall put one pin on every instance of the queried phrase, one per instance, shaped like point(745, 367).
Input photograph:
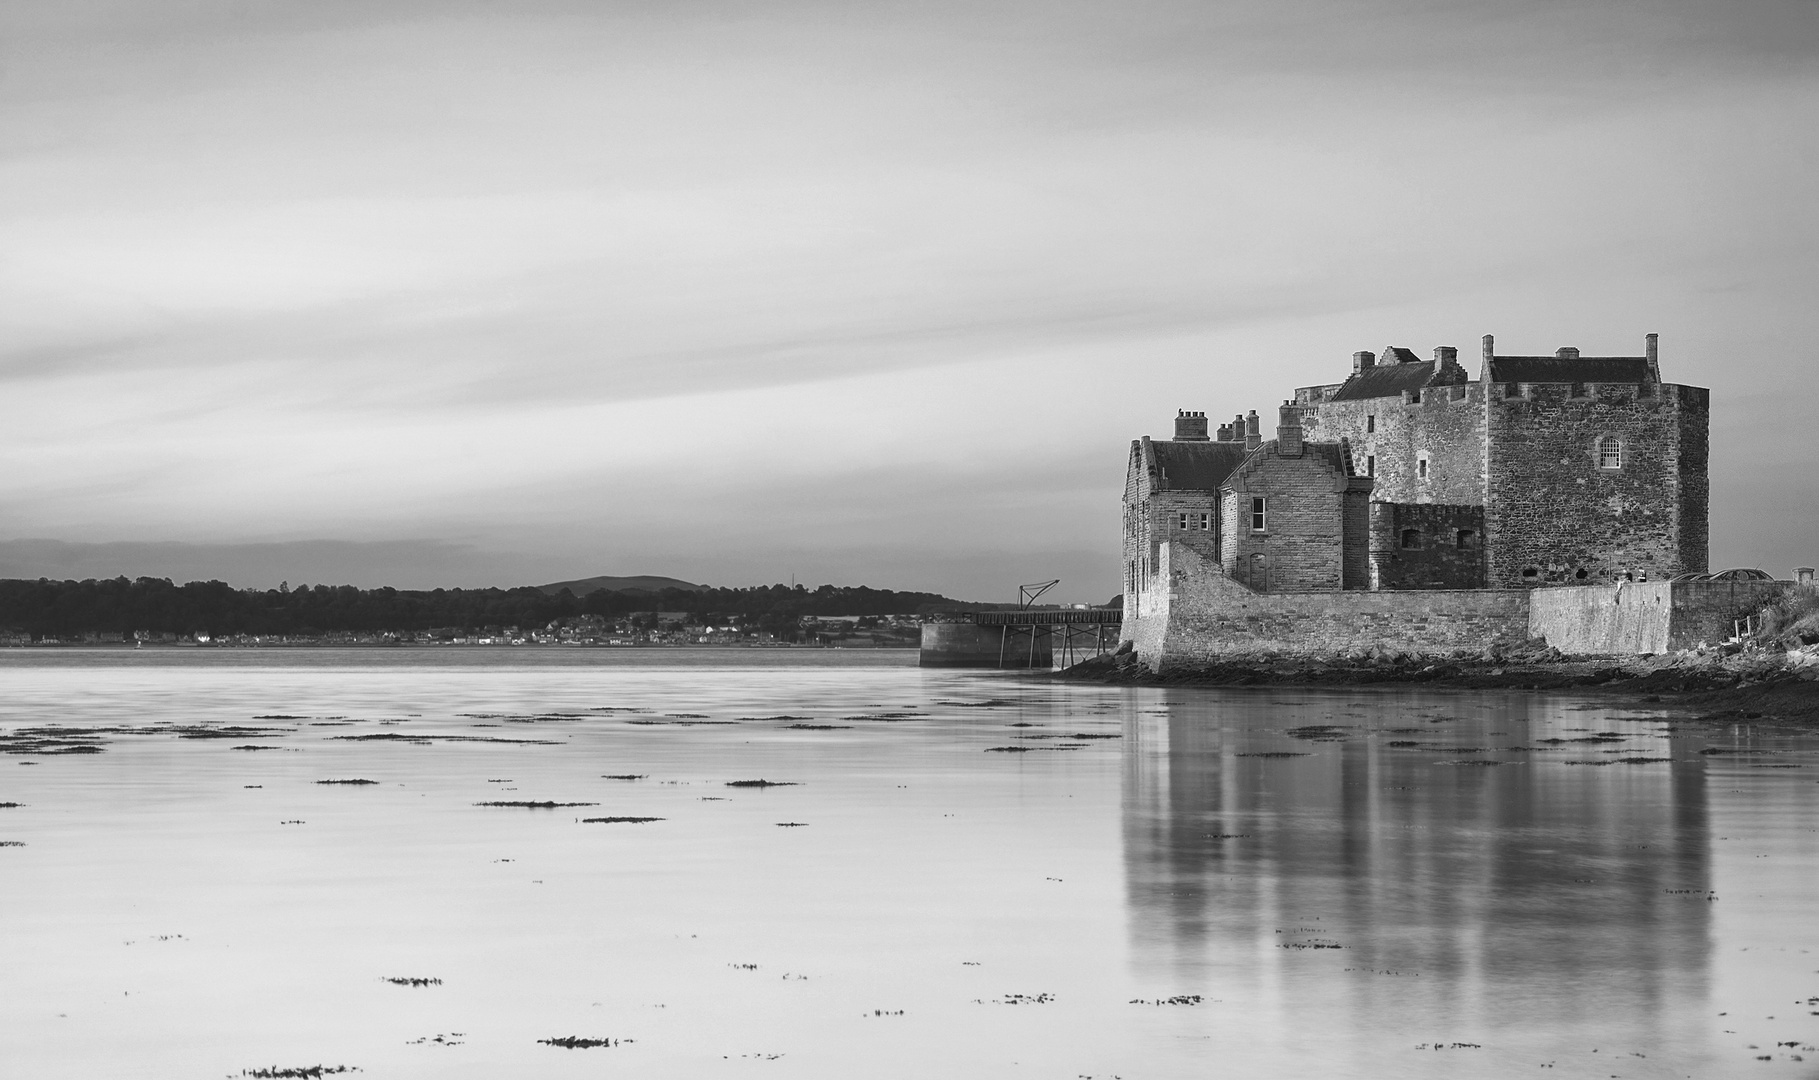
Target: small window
point(1181, 520)
point(1578, 389)
point(1581, 575)
point(1464, 539)
point(1411, 538)
point(1610, 452)
point(1259, 510)
point(1370, 465)
point(1205, 521)
point(1421, 468)
point(1370, 424)
point(1512, 390)
point(1531, 572)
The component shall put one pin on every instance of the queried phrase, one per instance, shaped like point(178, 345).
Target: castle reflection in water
point(1541, 893)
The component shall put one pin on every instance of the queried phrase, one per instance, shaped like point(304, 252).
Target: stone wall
point(1446, 427)
point(1195, 615)
point(1153, 517)
point(1554, 516)
point(1646, 617)
point(1426, 546)
point(1695, 483)
point(1300, 548)
point(1201, 615)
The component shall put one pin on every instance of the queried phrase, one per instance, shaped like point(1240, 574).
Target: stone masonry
point(1411, 475)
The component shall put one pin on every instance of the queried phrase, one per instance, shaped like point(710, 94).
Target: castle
point(1411, 478)
point(1410, 474)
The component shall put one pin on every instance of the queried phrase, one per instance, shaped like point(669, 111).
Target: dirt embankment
point(1724, 684)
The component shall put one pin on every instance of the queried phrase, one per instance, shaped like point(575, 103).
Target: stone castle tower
point(1411, 474)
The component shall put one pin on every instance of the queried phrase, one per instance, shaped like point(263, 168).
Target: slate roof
point(1581, 369)
point(1388, 381)
point(1196, 466)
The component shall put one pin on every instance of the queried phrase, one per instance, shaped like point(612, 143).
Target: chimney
point(1225, 433)
point(1650, 352)
point(1566, 352)
point(1190, 426)
point(1363, 362)
point(1490, 348)
point(1445, 356)
point(1238, 428)
point(1288, 431)
point(1253, 436)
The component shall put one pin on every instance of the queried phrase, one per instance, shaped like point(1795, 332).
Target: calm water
point(183, 907)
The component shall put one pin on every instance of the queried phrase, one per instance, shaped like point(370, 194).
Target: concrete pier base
point(964, 645)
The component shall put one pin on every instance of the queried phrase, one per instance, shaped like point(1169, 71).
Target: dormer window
point(1610, 452)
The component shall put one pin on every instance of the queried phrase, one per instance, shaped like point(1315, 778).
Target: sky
point(466, 294)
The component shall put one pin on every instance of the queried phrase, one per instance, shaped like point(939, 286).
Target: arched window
point(1610, 452)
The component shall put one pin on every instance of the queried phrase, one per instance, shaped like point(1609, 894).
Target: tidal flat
point(675, 863)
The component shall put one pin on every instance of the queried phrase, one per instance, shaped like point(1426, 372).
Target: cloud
point(521, 276)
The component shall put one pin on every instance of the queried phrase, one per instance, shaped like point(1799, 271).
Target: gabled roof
point(1577, 369)
point(1385, 380)
point(1334, 455)
point(1196, 466)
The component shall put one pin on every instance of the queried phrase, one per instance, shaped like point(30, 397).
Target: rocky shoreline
point(1724, 684)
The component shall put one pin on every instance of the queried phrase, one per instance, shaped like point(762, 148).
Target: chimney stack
point(1288, 431)
point(1253, 435)
point(1238, 427)
point(1190, 426)
point(1490, 347)
point(1363, 362)
point(1225, 433)
point(1650, 348)
point(1445, 356)
point(1566, 352)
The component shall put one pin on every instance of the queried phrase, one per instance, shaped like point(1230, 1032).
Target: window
point(1421, 468)
point(1181, 520)
point(1258, 514)
point(1204, 521)
point(1512, 390)
point(1370, 465)
point(1578, 389)
point(1610, 452)
point(1370, 424)
point(1411, 538)
point(1464, 539)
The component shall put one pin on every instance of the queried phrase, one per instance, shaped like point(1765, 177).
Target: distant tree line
point(46, 608)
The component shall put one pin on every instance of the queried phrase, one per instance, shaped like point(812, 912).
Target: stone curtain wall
point(1302, 545)
point(1441, 560)
point(1646, 617)
point(1203, 616)
point(1449, 429)
point(1195, 615)
point(1551, 510)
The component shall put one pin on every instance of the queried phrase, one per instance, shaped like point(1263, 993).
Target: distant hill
point(644, 583)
